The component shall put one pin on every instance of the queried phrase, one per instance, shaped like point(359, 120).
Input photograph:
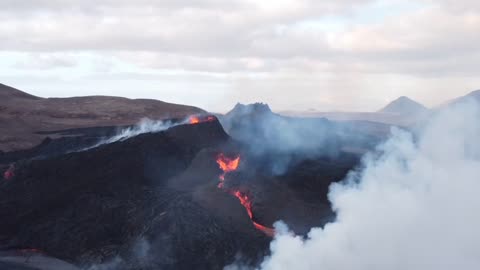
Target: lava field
point(189, 197)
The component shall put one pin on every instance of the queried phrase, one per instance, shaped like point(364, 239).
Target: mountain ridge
point(474, 95)
point(23, 116)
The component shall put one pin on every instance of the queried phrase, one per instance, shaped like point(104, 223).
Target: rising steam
point(147, 125)
point(414, 206)
point(275, 141)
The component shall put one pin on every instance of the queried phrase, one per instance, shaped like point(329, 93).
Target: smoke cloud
point(414, 205)
point(140, 256)
point(276, 140)
point(144, 126)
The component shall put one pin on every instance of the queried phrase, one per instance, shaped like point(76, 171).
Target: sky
point(342, 55)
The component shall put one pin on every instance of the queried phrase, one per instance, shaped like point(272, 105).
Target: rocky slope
point(153, 201)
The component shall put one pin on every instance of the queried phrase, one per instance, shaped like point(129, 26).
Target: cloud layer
point(326, 51)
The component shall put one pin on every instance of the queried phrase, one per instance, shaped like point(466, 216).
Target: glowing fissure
point(193, 120)
point(227, 165)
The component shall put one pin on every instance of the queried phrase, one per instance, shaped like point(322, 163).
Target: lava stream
point(268, 231)
point(245, 201)
point(229, 165)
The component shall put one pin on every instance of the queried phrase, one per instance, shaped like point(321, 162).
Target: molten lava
point(245, 201)
point(9, 173)
point(197, 119)
point(194, 120)
point(227, 165)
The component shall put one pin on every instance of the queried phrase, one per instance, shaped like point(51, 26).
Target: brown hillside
point(23, 115)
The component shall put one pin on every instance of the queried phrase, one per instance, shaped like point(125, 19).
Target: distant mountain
point(249, 109)
point(404, 106)
point(23, 116)
point(400, 112)
point(472, 96)
point(245, 113)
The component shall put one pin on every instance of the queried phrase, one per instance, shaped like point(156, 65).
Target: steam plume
point(144, 126)
point(275, 140)
point(414, 206)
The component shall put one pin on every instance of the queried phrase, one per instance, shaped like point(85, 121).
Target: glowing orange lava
point(198, 119)
point(194, 120)
point(227, 165)
point(245, 201)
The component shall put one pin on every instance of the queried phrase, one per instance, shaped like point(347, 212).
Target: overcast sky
point(352, 55)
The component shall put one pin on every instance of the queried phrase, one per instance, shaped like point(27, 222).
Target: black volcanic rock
point(153, 202)
point(67, 141)
point(91, 206)
point(298, 197)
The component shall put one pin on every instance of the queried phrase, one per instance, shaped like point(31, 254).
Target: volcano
point(87, 207)
point(189, 197)
point(405, 106)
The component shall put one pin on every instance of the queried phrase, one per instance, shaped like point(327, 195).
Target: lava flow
point(197, 119)
point(226, 165)
point(229, 165)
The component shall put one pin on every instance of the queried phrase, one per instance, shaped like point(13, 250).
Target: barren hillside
point(22, 115)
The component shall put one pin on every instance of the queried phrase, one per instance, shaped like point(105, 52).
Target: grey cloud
point(216, 36)
point(46, 61)
point(253, 50)
point(195, 27)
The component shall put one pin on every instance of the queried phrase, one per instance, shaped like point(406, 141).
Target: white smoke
point(415, 206)
point(144, 126)
point(140, 255)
